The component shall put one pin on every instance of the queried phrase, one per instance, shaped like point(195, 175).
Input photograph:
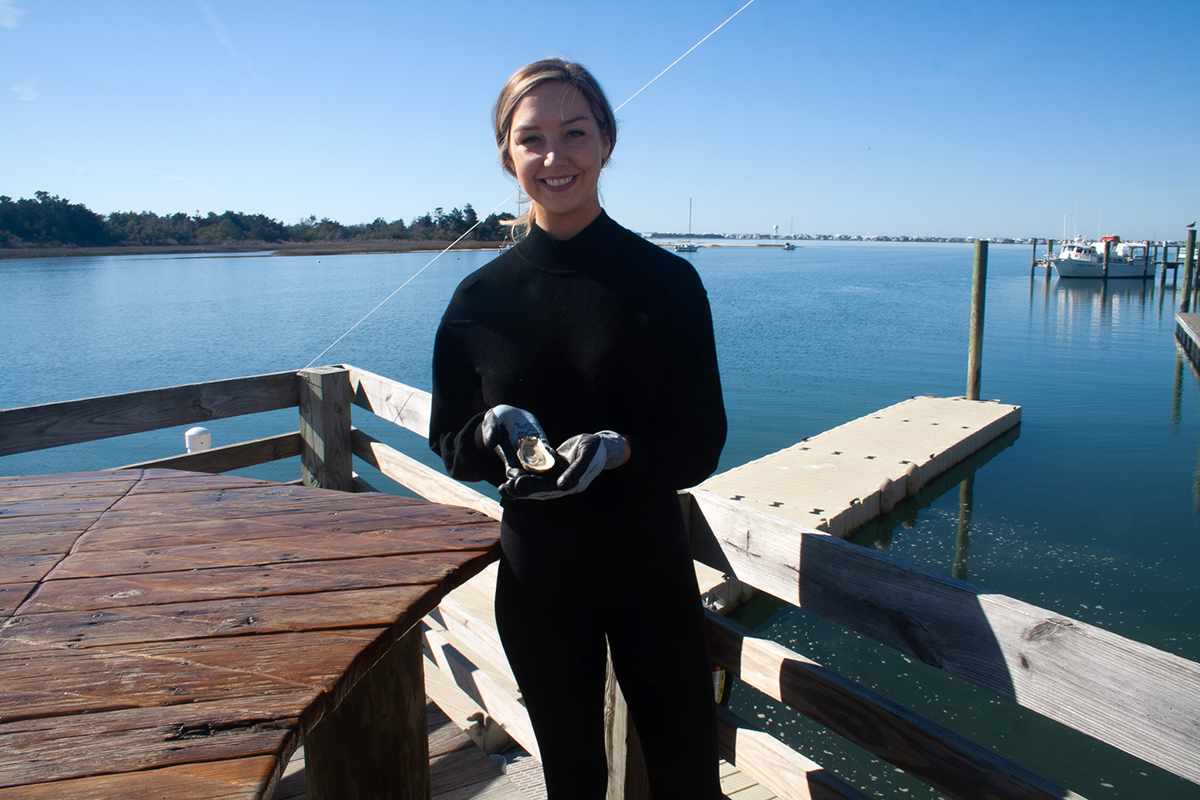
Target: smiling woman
point(596, 345)
point(555, 131)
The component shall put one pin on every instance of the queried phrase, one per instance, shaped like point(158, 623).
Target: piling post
point(325, 454)
point(1049, 255)
point(978, 289)
point(1033, 260)
point(1189, 263)
point(1107, 245)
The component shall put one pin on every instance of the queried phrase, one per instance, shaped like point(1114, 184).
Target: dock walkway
point(840, 479)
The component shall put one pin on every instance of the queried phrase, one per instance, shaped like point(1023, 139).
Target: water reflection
point(879, 532)
point(1102, 301)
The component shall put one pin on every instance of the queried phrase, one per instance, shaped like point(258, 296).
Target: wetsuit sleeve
point(683, 443)
point(458, 409)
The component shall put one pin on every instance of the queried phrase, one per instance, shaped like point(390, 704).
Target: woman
point(587, 337)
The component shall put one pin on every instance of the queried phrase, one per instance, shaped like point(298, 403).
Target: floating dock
point(839, 480)
point(1187, 334)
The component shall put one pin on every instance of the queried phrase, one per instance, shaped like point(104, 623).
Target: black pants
point(555, 643)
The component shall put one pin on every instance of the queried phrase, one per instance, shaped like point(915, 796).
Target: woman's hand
point(503, 428)
point(586, 455)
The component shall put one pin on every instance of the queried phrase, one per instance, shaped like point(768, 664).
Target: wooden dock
point(1135, 698)
point(842, 478)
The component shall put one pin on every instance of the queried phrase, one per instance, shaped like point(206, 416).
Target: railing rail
point(1132, 696)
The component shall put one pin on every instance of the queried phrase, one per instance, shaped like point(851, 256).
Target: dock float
point(1187, 334)
point(841, 479)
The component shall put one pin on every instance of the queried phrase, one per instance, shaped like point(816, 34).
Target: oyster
point(534, 455)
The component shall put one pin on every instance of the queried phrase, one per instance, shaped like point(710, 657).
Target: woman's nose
point(552, 157)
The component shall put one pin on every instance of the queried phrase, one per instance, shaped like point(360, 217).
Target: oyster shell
point(534, 455)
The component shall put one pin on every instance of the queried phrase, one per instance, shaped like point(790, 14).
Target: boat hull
point(1121, 268)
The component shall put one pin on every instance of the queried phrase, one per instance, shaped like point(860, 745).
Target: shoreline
point(349, 247)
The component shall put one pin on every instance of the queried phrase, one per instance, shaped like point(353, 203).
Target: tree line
point(47, 219)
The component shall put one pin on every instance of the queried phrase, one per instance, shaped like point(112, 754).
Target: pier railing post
point(627, 779)
point(325, 454)
point(1189, 263)
point(978, 289)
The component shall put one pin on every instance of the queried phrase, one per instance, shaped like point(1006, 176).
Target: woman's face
point(556, 149)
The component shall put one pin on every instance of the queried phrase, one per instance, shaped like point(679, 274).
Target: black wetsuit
point(602, 331)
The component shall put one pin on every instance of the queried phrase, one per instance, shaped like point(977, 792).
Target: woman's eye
point(574, 133)
point(528, 140)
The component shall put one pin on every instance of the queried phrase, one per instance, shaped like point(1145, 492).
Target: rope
point(505, 200)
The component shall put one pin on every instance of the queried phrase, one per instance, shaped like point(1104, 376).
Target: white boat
point(1082, 259)
point(685, 248)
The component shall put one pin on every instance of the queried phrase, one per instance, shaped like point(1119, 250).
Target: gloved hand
point(503, 428)
point(587, 455)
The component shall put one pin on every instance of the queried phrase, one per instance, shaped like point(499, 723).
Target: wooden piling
point(1107, 246)
point(1189, 263)
point(1049, 255)
point(978, 289)
point(1033, 259)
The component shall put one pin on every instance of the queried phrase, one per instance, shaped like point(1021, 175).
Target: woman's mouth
point(557, 184)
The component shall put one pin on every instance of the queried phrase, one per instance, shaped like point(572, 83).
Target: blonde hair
point(525, 80)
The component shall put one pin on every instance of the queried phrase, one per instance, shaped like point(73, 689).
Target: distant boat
point(1083, 259)
point(685, 248)
point(789, 246)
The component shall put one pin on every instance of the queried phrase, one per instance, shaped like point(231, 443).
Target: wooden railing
point(1141, 700)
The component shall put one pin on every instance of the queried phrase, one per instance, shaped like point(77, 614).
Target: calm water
point(1091, 510)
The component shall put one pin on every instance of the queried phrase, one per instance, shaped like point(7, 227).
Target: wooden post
point(1189, 264)
point(627, 779)
point(962, 538)
point(978, 289)
point(325, 456)
point(1049, 255)
point(1033, 260)
point(1107, 245)
point(375, 745)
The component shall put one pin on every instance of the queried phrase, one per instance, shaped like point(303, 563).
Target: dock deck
point(840, 479)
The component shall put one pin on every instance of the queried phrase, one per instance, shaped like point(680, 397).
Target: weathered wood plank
point(429, 483)
point(772, 763)
point(405, 406)
point(22, 569)
point(1132, 696)
point(494, 693)
point(374, 744)
point(75, 523)
point(231, 456)
point(61, 748)
point(361, 608)
point(303, 547)
point(15, 545)
point(233, 779)
point(56, 682)
point(94, 594)
point(56, 424)
point(55, 506)
point(12, 595)
point(953, 765)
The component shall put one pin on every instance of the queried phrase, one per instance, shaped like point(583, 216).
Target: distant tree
point(50, 219)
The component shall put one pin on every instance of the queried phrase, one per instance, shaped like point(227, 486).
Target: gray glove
point(503, 428)
point(586, 455)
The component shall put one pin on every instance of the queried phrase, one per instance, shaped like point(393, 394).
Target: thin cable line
point(505, 200)
point(676, 61)
point(411, 278)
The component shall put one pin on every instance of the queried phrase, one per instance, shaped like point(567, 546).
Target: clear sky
point(923, 118)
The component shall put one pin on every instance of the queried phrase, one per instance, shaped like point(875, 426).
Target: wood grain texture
point(429, 483)
point(953, 765)
point(325, 458)
point(200, 619)
point(776, 766)
point(56, 424)
point(394, 401)
point(231, 456)
point(1132, 696)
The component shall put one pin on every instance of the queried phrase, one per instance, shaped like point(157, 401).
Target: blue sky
point(921, 118)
